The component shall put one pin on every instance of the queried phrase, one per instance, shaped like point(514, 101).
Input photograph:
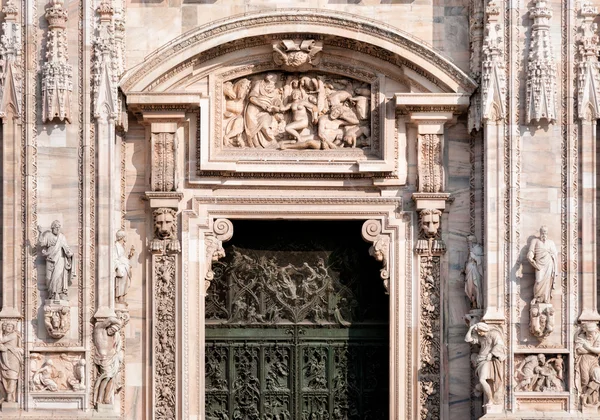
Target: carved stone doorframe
point(207, 225)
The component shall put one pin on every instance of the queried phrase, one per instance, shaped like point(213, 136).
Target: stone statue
point(489, 360)
point(542, 256)
point(11, 360)
point(263, 101)
point(587, 368)
point(108, 357)
point(474, 273)
point(122, 267)
point(165, 231)
point(59, 261)
point(235, 95)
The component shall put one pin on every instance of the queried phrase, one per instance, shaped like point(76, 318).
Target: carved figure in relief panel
point(535, 373)
point(296, 111)
point(57, 319)
point(44, 378)
point(122, 267)
point(11, 360)
point(53, 372)
point(59, 261)
point(108, 357)
point(298, 54)
point(587, 367)
point(492, 354)
point(542, 256)
point(474, 273)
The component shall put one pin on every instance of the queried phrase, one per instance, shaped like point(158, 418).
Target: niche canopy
point(302, 92)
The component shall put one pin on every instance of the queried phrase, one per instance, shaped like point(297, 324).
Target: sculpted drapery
point(542, 256)
point(11, 359)
point(59, 261)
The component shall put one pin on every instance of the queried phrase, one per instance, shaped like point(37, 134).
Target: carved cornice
point(312, 17)
point(380, 250)
point(57, 73)
point(541, 68)
point(588, 74)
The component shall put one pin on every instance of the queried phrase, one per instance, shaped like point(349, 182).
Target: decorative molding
point(57, 73)
point(541, 68)
point(164, 158)
point(588, 77)
point(380, 250)
point(10, 56)
point(431, 167)
point(493, 72)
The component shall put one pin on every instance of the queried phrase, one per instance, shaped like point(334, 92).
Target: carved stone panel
point(53, 372)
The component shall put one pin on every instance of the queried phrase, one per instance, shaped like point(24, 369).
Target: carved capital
point(213, 242)
point(380, 250)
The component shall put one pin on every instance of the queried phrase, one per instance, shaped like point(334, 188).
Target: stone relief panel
point(57, 372)
point(540, 373)
point(281, 110)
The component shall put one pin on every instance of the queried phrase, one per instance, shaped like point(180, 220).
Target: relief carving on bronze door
point(297, 325)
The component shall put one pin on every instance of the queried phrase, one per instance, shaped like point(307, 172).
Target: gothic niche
point(280, 110)
point(296, 312)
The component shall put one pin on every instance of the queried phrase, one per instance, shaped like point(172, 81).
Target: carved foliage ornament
point(164, 161)
point(541, 68)
point(281, 110)
point(588, 74)
point(57, 73)
point(431, 167)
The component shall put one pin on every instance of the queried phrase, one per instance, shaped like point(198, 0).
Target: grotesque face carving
point(430, 222)
point(164, 223)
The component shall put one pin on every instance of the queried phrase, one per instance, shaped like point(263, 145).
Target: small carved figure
point(263, 101)
point(77, 381)
point(474, 273)
point(235, 95)
point(11, 360)
point(296, 54)
point(542, 256)
point(429, 236)
point(44, 378)
point(547, 377)
point(541, 320)
point(108, 357)
point(122, 267)
point(57, 320)
point(489, 361)
point(526, 371)
point(165, 231)
point(59, 261)
point(300, 120)
point(587, 367)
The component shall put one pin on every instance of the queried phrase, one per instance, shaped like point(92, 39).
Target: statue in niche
point(11, 360)
point(291, 111)
point(57, 319)
point(492, 354)
point(542, 256)
point(165, 231)
point(59, 261)
point(108, 357)
point(474, 273)
point(122, 267)
point(587, 367)
point(297, 55)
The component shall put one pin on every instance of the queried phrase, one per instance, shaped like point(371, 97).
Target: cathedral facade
point(299, 210)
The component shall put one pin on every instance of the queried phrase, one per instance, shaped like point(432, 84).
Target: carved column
point(588, 106)
point(10, 112)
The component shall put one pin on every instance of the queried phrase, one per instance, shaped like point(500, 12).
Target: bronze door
point(297, 326)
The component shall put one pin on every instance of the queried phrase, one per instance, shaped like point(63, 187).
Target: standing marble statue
point(474, 273)
point(122, 267)
point(587, 367)
point(108, 357)
point(489, 360)
point(11, 360)
point(542, 256)
point(59, 261)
